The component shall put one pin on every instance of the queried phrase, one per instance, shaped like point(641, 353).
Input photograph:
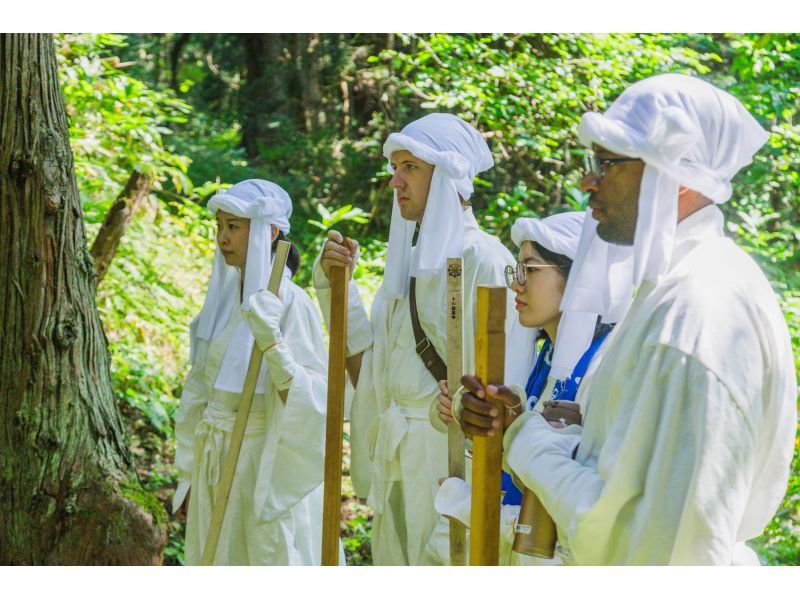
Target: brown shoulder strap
point(427, 353)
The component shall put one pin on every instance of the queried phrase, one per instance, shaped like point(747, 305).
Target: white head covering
point(458, 152)
point(263, 203)
point(688, 133)
point(561, 234)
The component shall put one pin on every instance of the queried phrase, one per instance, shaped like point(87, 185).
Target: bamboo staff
point(487, 451)
point(334, 432)
point(240, 425)
point(455, 437)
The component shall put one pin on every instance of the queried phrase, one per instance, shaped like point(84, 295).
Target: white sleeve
point(298, 462)
point(672, 477)
point(190, 412)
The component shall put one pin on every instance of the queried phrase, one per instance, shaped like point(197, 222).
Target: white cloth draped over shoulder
point(458, 152)
point(688, 133)
point(561, 233)
point(263, 203)
point(689, 432)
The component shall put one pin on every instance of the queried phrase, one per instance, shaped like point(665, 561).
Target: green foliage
point(525, 92)
point(116, 122)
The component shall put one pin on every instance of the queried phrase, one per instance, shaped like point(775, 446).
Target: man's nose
point(397, 180)
point(589, 183)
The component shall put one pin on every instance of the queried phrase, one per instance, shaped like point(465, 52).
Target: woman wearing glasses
point(546, 250)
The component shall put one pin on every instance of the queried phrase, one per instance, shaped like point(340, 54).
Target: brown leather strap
point(425, 349)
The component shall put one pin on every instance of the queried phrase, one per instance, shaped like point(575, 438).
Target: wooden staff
point(240, 425)
point(334, 432)
point(455, 437)
point(487, 451)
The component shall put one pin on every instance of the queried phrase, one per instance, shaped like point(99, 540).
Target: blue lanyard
point(564, 390)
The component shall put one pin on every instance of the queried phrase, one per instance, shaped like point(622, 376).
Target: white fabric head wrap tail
point(458, 152)
point(560, 234)
point(263, 203)
point(688, 133)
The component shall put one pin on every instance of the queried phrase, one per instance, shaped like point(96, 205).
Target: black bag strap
point(427, 353)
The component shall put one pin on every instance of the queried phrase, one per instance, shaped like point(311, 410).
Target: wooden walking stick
point(240, 425)
point(334, 431)
point(487, 451)
point(455, 437)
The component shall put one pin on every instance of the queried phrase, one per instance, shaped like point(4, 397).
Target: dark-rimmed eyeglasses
point(597, 166)
point(520, 273)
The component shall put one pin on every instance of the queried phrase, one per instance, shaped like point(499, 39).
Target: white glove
point(281, 365)
point(263, 315)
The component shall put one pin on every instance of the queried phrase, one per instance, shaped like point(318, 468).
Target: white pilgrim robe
point(689, 432)
point(274, 513)
point(397, 456)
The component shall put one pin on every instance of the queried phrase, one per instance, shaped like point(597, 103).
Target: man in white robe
point(685, 447)
point(397, 456)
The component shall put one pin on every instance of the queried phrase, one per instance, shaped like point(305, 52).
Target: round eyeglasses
point(520, 273)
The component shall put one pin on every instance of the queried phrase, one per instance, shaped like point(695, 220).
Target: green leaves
point(117, 123)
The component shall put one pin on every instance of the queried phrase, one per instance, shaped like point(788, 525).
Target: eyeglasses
point(597, 166)
point(520, 273)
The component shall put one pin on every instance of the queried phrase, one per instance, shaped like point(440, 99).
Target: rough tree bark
point(68, 489)
point(116, 221)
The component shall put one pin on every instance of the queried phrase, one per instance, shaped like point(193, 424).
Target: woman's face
point(538, 302)
point(233, 233)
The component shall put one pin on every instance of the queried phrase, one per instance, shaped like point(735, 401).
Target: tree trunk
point(175, 59)
point(254, 94)
point(308, 50)
point(68, 489)
point(116, 221)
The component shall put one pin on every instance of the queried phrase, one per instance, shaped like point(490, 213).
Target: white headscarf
point(688, 133)
point(561, 234)
point(263, 203)
point(458, 152)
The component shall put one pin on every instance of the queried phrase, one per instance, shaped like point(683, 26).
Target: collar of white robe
point(263, 203)
point(687, 132)
point(561, 234)
point(458, 152)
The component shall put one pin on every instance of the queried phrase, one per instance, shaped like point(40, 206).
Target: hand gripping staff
point(239, 426)
point(455, 437)
point(337, 354)
point(487, 451)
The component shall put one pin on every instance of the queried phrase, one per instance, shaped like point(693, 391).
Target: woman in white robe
point(547, 248)
point(274, 511)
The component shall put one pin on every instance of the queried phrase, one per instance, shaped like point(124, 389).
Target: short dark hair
point(293, 259)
